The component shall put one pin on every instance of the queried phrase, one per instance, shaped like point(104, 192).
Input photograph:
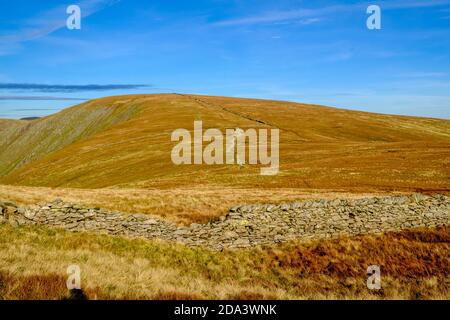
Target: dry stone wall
point(249, 225)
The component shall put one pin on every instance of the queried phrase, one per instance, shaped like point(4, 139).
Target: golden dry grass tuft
point(414, 265)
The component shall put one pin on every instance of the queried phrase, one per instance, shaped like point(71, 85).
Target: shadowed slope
point(92, 146)
point(25, 141)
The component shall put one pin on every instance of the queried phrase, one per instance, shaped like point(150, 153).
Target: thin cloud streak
point(53, 20)
point(280, 16)
point(69, 88)
point(41, 98)
point(422, 75)
point(287, 15)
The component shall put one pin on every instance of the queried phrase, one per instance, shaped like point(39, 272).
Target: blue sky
point(308, 51)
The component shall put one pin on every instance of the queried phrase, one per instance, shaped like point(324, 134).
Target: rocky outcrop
point(250, 225)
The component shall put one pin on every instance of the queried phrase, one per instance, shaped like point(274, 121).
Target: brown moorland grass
point(415, 264)
point(320, 147)
point(197, 204)
point(40, 287)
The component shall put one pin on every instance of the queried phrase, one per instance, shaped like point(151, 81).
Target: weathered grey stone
point(234, 209)
point(181, 232)
point(230, 235)
point(242, 242)
point(249, 225)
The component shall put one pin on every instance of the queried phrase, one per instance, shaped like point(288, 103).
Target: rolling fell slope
point(125, 142)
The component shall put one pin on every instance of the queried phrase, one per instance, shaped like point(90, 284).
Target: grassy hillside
point(25, 141)
point(125, 142)
point(115, 153)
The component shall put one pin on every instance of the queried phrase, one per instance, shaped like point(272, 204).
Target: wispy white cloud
point(50, 21)
point(39, 98)
point(413, 4)
point(309, 21)
point(430, 74)
point(316, 13)
point(281, 16)
point(40, 87)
